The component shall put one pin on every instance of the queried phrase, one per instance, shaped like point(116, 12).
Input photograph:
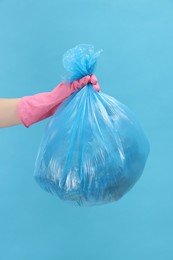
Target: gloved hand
point(32, 109)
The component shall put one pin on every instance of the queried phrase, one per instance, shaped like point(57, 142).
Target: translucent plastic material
point(93, 150)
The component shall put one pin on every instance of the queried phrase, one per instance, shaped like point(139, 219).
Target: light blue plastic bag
point(93, 150)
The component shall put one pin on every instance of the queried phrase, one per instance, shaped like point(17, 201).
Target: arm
point(31, 109)
point(9, 112)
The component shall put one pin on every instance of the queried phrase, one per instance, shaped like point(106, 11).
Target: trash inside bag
point(93, 149)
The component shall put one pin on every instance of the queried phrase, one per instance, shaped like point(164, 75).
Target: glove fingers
point(78, 84)
point(96, 87)
point(95, 83)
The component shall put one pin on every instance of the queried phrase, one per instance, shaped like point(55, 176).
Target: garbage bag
point(93, 149)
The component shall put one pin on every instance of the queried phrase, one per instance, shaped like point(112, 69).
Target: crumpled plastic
point(93, 149)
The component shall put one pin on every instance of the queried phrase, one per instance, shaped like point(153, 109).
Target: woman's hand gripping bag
point(93, 149)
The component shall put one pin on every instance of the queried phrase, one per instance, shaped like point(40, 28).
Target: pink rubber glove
point(32, 109)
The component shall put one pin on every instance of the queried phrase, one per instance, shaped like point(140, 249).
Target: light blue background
point(136, 67)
